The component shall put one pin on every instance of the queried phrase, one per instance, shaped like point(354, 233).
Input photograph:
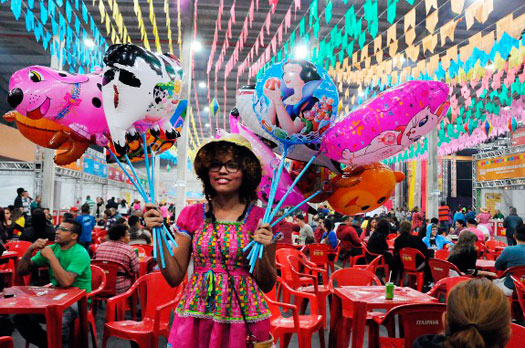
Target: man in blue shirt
point(510, 257)
point(87, 222)
point(511, 223)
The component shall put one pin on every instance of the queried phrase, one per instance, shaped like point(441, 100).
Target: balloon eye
point(34, 76)
point(381, 200)
point(365, 207)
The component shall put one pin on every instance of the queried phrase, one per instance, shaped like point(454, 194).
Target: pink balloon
point(72, 100)
point(269, 160)
point(388, 123)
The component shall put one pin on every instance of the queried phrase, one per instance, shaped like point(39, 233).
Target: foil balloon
point(363, 189)
point(387, 123)
point(140, 90)
point(268, 160)
point(71, 100)
point(245, 100)
point(296, 102)
point(50, 135)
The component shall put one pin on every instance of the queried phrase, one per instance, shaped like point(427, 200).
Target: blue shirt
point(458, 216)
point(510, 257)
point(332, 239)
point(87, 222)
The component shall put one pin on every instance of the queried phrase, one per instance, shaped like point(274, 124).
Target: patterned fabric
point(122, 253)
point(208, 300)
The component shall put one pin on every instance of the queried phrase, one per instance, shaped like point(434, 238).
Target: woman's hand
point(273, 94)
point(263, 234)
point(152, 217)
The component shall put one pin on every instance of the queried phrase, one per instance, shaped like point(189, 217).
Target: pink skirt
point(189, 332)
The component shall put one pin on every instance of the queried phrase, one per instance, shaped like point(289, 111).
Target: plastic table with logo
point(359, 300)
point(146, 264)
point(51, 302)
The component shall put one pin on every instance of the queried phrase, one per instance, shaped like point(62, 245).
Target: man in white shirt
point(305, 231)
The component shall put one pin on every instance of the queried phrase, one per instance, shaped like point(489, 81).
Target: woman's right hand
point(152, 217)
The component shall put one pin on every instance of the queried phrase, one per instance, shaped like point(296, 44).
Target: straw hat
point(484, 210)
point(233, 138)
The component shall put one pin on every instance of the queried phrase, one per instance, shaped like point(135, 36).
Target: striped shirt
point(122, 253)
point(443, 212)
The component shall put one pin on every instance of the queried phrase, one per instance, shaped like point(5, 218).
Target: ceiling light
point(207, 109)
point(301, 51)
point(207, 125)
point(196, 45)
point(89, 43)
point(202, 84)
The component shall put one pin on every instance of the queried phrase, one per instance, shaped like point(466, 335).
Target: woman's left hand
point(263, 234)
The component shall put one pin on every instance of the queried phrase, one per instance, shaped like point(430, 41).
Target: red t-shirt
point(286, 228)
point(348, 237)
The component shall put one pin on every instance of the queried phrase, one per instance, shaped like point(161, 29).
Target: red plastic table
point(50, 302)
point(486, 265)
point(361, 299)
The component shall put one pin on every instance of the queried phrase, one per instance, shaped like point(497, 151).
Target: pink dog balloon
point(388, 123)
point(71, 100)
point(268, 160)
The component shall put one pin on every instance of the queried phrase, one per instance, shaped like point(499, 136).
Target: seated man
point(510, 257)
point(117, 249)
point(69, 266)
point(350, 241)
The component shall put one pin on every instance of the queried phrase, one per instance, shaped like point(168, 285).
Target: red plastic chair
point(409, 259)
point(19, 246)
point(517, 336)
point(442, 254)
point(98, 282)
point(372, 266)
point(492, 244)
point(6, 342)
point(382, 265)
point(147, 248)
point(442, 287)
point(8, 270)
point(158, 300)
point(284, 246)
point(320, 291)
point(318, 254)
point(281, 258)
point(519, 288)
point(482, 249)
point(303, 326)
point(518, 272)
point(353, 277)
point(414, 320)
point(441, 269)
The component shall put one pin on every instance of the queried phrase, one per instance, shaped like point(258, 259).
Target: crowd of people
point(67, 249)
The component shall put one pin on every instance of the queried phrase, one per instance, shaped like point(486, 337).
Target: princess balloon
point(296, 102)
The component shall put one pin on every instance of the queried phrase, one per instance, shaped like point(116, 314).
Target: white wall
point(10, 181)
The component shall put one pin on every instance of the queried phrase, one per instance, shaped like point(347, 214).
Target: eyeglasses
point(64, 229)
point(231, 166)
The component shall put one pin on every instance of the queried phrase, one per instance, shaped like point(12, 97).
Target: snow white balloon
point(296, 102)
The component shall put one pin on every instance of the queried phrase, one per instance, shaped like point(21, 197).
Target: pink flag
point(280, 34)
point(250, 14)
point(232, 12)
point(219, 16)
point(297, 5)
point(274, 45)
point(268, 22)
point(287, 20)
point(273, 4)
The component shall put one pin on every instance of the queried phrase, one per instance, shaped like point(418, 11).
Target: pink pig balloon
point(268, 160)
point(388, 123)
point(68, 99)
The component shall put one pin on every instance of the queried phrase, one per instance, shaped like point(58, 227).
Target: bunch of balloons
point(293, 108)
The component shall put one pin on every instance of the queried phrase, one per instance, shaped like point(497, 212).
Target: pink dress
point(208, 315)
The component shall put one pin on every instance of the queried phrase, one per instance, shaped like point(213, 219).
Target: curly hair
point(250, 166)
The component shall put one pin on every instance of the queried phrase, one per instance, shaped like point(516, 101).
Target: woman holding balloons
point(223, 304)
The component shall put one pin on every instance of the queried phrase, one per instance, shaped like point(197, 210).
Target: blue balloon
point(296, 101)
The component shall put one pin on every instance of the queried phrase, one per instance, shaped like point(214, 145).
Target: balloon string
point(138, 186)
point(272, 216)
point(275, 184)
point(295, 208)
point(142, 191)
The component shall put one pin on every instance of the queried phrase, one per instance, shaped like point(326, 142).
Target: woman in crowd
point(498, 215)
point(40, 228)
point(329, 237)
point(477, 316)
point(123, 208)
point(6, 227)
point(464, 255)
point(19, 221)
point(223, 304)
point(370, 228)
point(377, 242)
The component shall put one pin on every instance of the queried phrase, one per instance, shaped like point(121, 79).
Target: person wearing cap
point(223, 303)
